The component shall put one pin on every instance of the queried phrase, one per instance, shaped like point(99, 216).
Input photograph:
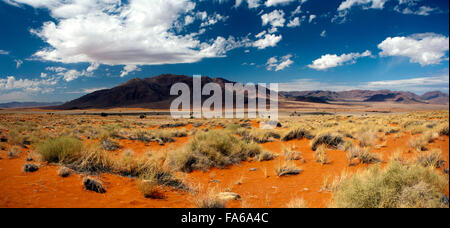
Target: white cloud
point(11, 83)
point(294, 22)
point(330, 61)
point(312, 17)
point(323, 33)
point(270, 3)
point(279, 64)
point(212, 20)
point(128, 69)
point(269, 40)
point(18, 63)
point(93, 90)
point(251, 3)
point(56, 69)
point(422, 11)
point(93, 67)
point(367, 4)
point(2, 52)
point(425, 48)
point(114, 32)
point(275, 18)
point(297, 10)
point(44, 75)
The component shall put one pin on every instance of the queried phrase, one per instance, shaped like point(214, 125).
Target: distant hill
point(369, 96)
point(435, 97)
point(29, 104)
point(139, 93)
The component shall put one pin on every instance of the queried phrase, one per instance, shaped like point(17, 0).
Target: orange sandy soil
point(45, 189)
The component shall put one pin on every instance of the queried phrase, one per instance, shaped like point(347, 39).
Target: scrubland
point(393, 160)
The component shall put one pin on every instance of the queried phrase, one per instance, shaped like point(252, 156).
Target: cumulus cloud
point(330, 61)
point(279, 64)
point(11, 83)
point(269, 40)
point(270, 3)
point(294, 22)
point(424, 48)
point(367, 4)
point(69, 75)
point(128, 69)
point(251, 3)
point(114, 32)
point(275, 18)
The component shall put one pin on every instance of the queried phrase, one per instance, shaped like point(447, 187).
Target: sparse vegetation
point(395, 186)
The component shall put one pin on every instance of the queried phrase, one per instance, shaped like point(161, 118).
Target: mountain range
point(154, 93)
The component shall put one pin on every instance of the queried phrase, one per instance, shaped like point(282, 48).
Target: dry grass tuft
point(332, 140)
point(297, 203)
point(287, 169)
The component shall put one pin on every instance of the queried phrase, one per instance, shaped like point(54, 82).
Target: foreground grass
point(213, 149)
point(395, 186)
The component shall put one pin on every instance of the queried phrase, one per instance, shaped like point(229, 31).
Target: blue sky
point(58, 50)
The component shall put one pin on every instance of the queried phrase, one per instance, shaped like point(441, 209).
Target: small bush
point(288, 169)
point(209, 199)
point(61, 149)
point(292, 155)
point(149, 189)
point(431, 159)
point(297, 134)
point(366, 137)
point(265, 156)
point(321, 156)
point(419, 144)
point(331, 140)
point(444, 130)
point(14, 152)
point(364, 155)
point(213, 149)
point(395, 186)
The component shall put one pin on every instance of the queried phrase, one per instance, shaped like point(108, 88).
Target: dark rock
point(30, 168)
point(445, 200)
point(3, 139)
point(445, 170)
point(93, 185)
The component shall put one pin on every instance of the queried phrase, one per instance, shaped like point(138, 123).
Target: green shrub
point(61, 149)
point(395, 186)
point(213, 149)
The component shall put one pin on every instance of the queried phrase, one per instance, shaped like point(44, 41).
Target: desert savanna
point(254, 104)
